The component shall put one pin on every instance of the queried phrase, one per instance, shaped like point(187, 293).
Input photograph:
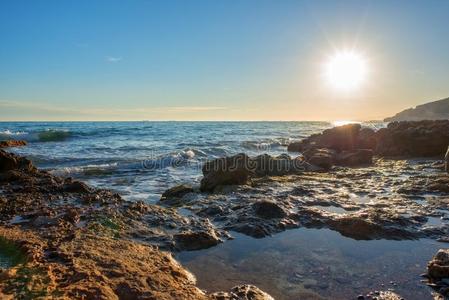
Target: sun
point(346, 70)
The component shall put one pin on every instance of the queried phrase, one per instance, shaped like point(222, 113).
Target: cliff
point(436, 110)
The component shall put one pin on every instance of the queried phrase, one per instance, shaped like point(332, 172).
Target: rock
point(438, 267)
point(238, 169)
point(76, 187)
point(231, 170)
point(12, 143)
point(268, 209)
point(242, 292)
point(338, 138)
point(176, 192)
point(10, 161)
point(266, 165)
point(366, 139)
point(320, 157)
point(195, 240)
point(413, 139)
point(296, 147)
point(355, 157)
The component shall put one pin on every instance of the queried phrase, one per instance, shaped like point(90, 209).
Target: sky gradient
point(216, 60)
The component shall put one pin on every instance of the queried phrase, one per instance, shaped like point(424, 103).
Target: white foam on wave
point(49, 135)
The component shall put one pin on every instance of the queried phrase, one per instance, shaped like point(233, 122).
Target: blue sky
point(216, 60)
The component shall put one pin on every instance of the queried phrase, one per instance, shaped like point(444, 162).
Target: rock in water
point(238, 169)
point(195, 240)
point(176, 192)
point(12, 143)
point(339, 138)
point(438, 267)
point(413, 139)
point(10, 161)
point(231, 170)
point(268, 209)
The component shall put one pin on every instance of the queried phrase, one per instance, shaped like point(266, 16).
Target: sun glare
point(346, 70)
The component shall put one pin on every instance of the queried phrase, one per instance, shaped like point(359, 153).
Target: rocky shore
point(78, 242)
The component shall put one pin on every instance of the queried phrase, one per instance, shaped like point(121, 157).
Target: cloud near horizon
point(98, 112)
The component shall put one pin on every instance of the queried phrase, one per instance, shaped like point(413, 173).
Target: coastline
point(72, 235)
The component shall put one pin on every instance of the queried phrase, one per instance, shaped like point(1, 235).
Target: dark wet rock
point(320, 157)
point(75, 186)
point(256, 230)
point(268, 209)
point(12, 143)
point(10, 161)
point(266, 165)
point(195, 240)
point(399, 139)
point(338, 138)
point(231, 170)
point(413, 139)
point(176, 192)
point(355, 157)
point(240, 168)
point(242, 292)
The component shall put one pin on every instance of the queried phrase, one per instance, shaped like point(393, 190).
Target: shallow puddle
point(332, 209)
point(10, 254)
point(314, 264)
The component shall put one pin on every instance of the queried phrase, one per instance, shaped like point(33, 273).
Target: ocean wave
point(86, 170)
point(263, 145)
point(49, 135)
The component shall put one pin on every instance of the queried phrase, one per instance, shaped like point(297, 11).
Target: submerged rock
point(12, 143)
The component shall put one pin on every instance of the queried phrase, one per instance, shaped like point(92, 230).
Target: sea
point(140, 160)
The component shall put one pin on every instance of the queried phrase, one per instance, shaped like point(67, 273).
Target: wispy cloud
point(113, 59)
point(96, 111)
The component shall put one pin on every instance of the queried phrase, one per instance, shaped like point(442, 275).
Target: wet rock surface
point(74, 238)
point(392, 199)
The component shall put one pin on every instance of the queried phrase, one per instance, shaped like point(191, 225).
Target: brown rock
point(438, 267)
point(195, 240)
point(10, 161)
point(233, 170)
point(320, 157)
point(338, 138)
point(12, 143)
point(355, 157)
point(413, 139)
point(176, 192)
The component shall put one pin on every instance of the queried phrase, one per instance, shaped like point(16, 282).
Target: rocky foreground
point(77, 242)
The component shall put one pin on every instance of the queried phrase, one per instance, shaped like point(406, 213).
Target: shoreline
point(68, 229)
